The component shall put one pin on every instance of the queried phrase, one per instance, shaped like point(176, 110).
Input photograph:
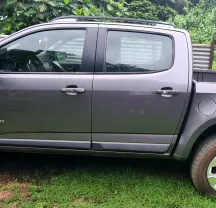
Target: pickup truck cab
point(120, 88)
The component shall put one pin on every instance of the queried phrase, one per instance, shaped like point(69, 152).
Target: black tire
point(203, 156)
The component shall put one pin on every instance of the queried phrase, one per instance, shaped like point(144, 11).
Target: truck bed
point(204, 75)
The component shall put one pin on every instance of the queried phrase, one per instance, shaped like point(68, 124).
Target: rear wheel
point(203, 167)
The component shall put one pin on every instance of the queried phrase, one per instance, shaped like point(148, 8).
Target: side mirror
point(61, 56)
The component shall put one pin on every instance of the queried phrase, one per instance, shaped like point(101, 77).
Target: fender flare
point(187, 140)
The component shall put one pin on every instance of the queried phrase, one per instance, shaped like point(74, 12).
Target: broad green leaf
point(40, 16)
point(55, 12)
point(51, 3)
point(118, 14)
point(67, 2)
point(79, 11)
point(86, 1)
point(120, 6)
point(86, 9)
point(42, 8)
point(72, 6)
point(27, 14)
point(85, 13)
point(109, 8)
point(93, 10)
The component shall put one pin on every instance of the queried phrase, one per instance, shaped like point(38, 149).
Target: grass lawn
point(51, 181)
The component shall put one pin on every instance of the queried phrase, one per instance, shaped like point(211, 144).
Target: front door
point(131, 110)
point(46, 88)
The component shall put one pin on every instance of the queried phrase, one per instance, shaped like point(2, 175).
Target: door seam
point(96, 45)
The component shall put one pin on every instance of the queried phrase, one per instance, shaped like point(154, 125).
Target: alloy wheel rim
point(211, 173)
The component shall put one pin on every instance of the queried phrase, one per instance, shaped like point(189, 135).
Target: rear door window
point(138, 52)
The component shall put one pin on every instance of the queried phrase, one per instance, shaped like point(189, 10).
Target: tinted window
point(138, 52)
point(47, 51)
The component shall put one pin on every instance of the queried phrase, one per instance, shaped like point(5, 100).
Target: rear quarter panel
point(201, 115)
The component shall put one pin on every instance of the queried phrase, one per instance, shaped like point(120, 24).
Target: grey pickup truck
point(122, 87)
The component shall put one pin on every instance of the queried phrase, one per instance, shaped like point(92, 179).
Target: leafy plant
point(199, 18)
point(18, 14)
point(147, 10)
point(200, 21)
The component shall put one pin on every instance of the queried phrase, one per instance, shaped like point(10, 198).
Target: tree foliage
point(18, 14)
point(176, 5)
point(147, 10)
point(157, 9)
point(200, 21)
point(198, 17)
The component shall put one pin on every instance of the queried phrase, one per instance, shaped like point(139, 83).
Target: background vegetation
point(196, 16)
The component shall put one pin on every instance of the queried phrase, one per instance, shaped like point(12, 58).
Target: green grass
point(101, 182)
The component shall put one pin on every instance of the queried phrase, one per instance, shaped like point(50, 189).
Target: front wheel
point(203, 167)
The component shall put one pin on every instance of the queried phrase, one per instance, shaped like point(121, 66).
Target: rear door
point(140, 88)
point(46, 86)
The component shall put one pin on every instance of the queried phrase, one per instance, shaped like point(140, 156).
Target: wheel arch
point(202, 137)
point(189, 142)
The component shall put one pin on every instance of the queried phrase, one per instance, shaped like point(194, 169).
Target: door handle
point(72, 91)
point(167, 92)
